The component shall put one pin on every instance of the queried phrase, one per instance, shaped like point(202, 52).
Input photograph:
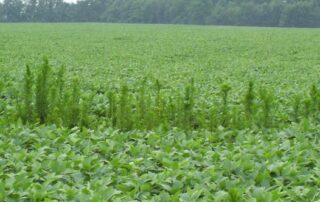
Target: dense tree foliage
point(289, 13)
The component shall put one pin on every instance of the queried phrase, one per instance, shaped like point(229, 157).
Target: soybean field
point(135, 112)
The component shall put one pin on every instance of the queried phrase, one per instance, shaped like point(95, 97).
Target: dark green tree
point(12, 10)
point(289, 13)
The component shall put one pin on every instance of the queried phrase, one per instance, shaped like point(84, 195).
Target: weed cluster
point(46, 99)
point(49, 98)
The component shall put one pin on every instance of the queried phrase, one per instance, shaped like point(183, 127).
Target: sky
point(69, 1)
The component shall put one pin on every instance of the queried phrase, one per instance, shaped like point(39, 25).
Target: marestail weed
point(73, 109)
point(123, 113)
point(248, 103)
point(42, 91)
point(225, 89)
point(147, 107)
point(28, 96)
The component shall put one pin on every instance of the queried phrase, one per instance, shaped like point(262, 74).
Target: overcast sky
point(69, 1)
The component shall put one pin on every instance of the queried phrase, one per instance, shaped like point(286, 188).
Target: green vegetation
point(269, 13)
point(158, 113)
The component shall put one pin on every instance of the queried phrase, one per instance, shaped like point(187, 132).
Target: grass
point(158, 113)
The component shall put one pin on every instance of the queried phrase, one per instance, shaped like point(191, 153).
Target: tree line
point(287, 13)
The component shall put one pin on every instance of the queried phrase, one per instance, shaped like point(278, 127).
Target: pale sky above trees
point(69, 1)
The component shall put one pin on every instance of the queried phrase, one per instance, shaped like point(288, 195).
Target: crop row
point(48, 97)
